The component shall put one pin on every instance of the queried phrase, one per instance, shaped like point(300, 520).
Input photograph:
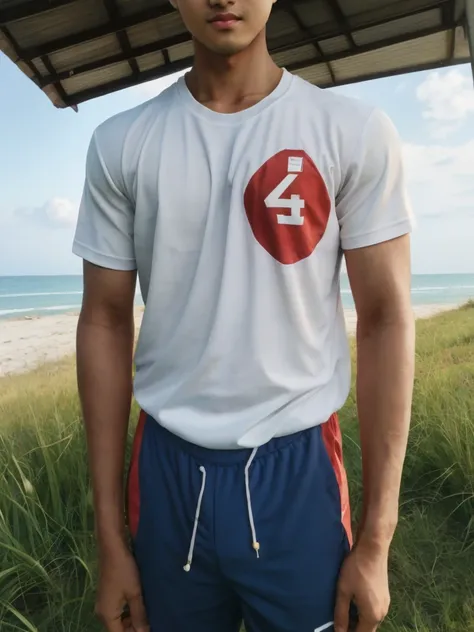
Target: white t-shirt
point(236, 224)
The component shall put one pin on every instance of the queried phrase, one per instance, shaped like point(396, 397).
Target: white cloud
point(55, 213)
point(425, 161)
point(447, 99)
point(440, 178)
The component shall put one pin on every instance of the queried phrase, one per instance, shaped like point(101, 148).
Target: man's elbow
point(386, 316)
point(110, 317)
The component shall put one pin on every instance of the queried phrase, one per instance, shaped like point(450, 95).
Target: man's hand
point(364, 581)
point(119, 586)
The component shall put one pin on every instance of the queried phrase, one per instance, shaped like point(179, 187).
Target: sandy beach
point(28, 343)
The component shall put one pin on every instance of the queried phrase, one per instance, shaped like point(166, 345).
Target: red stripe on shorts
point(332, 438)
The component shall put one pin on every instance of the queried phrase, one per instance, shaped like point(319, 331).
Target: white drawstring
point(187, 567)
point(255, 543)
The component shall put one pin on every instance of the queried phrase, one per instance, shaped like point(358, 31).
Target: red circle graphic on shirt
point(288, 206)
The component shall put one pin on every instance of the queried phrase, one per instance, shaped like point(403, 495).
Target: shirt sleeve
point(373, 205)
point(104, 232)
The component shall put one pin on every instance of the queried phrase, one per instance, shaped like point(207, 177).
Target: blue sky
point(43, 149)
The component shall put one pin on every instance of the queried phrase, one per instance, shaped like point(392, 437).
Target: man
point(234, 194)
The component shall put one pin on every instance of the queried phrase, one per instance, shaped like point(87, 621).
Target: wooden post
point(470, 29)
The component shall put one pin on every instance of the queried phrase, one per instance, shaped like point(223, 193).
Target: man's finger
point(112, 625)
point(341, 613)
point(138, 614)
point(365, 626)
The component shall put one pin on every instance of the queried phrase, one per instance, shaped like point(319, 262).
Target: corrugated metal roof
point(77, 50)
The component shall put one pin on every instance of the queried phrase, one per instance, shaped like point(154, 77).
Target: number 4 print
point(294, 203)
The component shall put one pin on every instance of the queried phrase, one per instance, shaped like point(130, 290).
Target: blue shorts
point(232, 536)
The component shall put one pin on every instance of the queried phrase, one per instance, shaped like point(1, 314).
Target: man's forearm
point(385, 368)
point(104, 363)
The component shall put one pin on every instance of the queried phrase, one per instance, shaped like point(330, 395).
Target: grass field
point(47, 561)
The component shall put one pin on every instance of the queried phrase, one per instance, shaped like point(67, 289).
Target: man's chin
point(226, 49)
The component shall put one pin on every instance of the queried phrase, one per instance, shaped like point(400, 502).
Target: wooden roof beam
point(122, 37)
point(182, 38)
point(113, 26)
point(30, 8)
point(369, 48)
point(128, 82)
point(294, 14)
point(109, 28)
point(138, 51)
point(343, 22)
point(121, 24)
point(164, 70)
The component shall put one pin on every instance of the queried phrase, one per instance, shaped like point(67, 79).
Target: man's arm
point(380, 279)
point(375, 221)
point(105, 240)
point(105, 338)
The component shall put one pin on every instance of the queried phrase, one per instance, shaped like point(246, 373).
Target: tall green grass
point(47, 555)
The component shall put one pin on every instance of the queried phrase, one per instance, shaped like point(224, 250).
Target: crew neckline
point(233, 117)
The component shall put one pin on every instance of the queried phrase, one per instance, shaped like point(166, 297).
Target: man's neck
point(235, 83)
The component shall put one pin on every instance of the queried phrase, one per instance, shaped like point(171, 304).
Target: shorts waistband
point(228, 457)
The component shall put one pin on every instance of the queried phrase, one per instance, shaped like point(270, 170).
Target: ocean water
point(24, 296)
